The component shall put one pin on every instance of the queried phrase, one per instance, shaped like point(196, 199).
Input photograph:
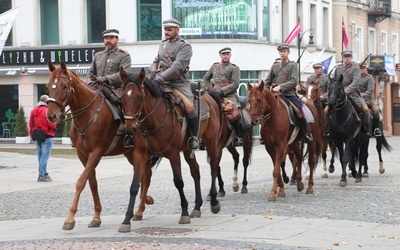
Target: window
point(358, 57)
point(96, 20)
point(49, 22)
point(371, 41)
point(149, 20)
point(5, 5)
point(395, 44)
point(265, 18)
point(383, 43)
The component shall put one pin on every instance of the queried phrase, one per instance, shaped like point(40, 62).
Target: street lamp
point(311, 47)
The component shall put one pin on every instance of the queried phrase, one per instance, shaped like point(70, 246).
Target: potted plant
point(21, 127)
point(67, 125)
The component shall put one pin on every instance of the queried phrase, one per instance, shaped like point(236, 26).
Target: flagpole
point(298, 50)
point(342, 37)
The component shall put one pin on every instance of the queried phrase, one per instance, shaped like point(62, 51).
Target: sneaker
point(238, 142)
point(43, 179)
point(377, 132)
point(48, 177)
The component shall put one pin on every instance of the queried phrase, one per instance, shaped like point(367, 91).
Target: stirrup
point(307, 138)
point(128, 141)
point(194, 142)
point(377, 132)
point(238, 142)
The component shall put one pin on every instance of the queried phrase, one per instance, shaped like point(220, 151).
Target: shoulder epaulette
point(234, 64)
point(216, 63)
point(122, 50)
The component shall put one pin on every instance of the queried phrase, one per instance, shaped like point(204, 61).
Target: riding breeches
point(374, 108)
point(360, 102)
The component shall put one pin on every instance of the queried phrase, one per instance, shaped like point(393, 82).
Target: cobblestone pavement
point(375, 200)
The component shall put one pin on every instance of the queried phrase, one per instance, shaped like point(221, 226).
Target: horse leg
point(96, 221)
point(343, 161)
point(298, 161)
point(138, 169)
point(379, 150)
point(363, 156)
point(194, 171)
point(235, 157)
point(145, 184)
point(332, 146)
point(312, 162)
point(175, 162)
point(278, 157)
point(90, 165)
point(324, 156)
point(247, 147)
point(215, 154)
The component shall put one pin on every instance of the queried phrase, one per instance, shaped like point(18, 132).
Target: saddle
point(295, 114)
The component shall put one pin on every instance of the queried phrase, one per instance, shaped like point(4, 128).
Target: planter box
point(66, 140)
point(24, 139)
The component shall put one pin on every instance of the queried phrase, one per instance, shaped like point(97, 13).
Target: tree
point(67, 125)
point(21, 126)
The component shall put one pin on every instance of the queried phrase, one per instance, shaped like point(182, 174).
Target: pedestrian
point(351, 81)
point(104, 70)
point(225, 81)
point(170, 67)
point(38, 121)
point(367, 88)
point(283, 79)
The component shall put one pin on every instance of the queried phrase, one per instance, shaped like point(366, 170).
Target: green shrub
point(21, 126)
point(67, 125)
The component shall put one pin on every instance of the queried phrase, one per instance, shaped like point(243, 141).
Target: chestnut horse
point(276, 131)
point(157, 130)
point(94, 132)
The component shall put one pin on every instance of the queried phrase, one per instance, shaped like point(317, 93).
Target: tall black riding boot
point(194, 131)
point(375, 125)
point(238, 129)
point(366, 127)
point(304, 129)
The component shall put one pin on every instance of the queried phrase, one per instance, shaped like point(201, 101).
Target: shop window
point(5, 5)
point(49, 22)
point(9, 107)
point(96, 20)
point(149, 20)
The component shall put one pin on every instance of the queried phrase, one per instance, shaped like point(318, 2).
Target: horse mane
point(154, 89)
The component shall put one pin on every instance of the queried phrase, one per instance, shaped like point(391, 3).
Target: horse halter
point(339, 103)
point(136, 116)
point(70, 90)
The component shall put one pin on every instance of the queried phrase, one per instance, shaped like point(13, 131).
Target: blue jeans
point(43, 150)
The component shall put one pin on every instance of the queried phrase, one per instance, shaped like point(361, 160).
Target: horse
point(155, 124)
point(312, 93)
point(278, 133)
point(94, 132)
point(345, 128)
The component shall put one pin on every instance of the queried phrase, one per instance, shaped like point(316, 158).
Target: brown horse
point(157, 129)
point(312, 93)
point(94, 132)
point(277, 133)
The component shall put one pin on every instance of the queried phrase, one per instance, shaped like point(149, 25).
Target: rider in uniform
point(104, 70)
point(282, 78)
point(351, 82)
point(226, 80)
point(367, 87)
point(170, 67)
point(319, 78)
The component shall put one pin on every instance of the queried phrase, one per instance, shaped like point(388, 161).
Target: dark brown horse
point(277, 133)
point(94, 132)
point(158, 130)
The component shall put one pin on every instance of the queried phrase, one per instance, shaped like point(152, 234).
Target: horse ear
point(142, 74)
point(261, 86)
point(249, 86)
point(122, 74)
point(51, 66)
point(63, 66)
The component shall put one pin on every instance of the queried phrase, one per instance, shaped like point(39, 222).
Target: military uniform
point(108, 63)
point(367, 87)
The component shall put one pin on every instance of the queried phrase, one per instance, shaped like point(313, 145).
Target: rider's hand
point(152, 75)
point(160, 80)
point(101, 79)
point(93, 78)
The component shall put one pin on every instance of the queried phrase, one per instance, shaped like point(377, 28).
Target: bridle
point(70, 90)
point(264, 115)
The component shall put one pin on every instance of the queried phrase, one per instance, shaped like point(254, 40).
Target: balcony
point(379, 10)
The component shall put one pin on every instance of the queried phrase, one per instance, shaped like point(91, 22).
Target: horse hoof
point(149, 200)
point(184, 220)
point(195, 214)
point(215, 209)
point(358, 180)
point(286, 179)
point(331, 169)
point(244, 190)
point(281, 194)
point(292, 182)
point(94, 223)
point(381, 170)
point(137, 217)
point(310, 191)
point(272, 198)
point(221, 194)
point(365, 175)
point(325, 175)
point(69, 225)
point(300, 187)
point(124, 228)
point(235, 187)
point(342, 183)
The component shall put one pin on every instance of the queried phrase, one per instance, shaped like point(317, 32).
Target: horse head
point(336, 93)
point(60, 89)
point(132, 98)
point(258, 102)
point(312, 92)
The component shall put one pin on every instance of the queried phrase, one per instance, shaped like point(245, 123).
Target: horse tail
point(385, 144)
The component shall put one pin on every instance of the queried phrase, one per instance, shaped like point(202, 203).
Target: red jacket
point(38, 120)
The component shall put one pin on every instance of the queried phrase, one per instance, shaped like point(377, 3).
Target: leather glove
point(93, 78)
point(160, 80)
point(101, 79)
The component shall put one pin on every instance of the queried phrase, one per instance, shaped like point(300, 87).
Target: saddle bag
point(230, 110)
